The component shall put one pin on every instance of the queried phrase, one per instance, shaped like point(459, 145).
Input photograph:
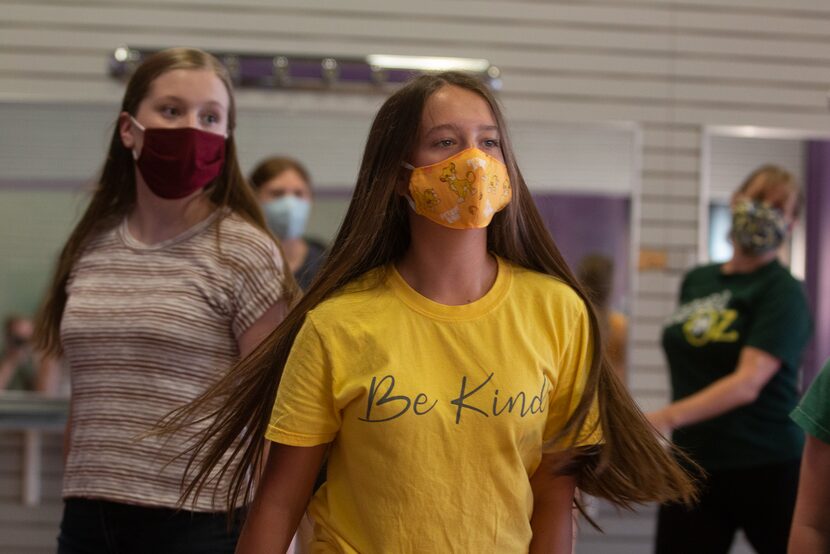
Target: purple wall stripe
point(818, 254)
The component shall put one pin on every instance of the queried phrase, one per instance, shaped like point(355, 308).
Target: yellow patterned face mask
point(461, 192)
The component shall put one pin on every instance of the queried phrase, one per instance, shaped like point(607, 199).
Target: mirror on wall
point(584, 178)
point(733, 152)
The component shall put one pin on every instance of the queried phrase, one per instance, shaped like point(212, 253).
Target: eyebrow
point(174, 98)
point(452, 127)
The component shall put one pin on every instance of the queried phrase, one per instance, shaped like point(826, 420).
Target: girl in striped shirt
point(168, 279)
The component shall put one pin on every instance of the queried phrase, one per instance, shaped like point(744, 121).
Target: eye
point(168, 110)
point(211, 118)
point(444, 143)
point(491, 143)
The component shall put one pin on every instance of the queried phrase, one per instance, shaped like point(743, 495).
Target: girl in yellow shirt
point(445, 358)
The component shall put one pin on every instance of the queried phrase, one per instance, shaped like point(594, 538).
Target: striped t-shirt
point(145, 330)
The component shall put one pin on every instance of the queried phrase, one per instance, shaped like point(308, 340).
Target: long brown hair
point(630, 467)
point(114, 195)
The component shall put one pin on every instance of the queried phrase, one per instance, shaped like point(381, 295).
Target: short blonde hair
point(771, 178)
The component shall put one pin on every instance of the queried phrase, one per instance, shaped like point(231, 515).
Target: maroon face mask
point(177, 162)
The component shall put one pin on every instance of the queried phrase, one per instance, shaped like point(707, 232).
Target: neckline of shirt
point(423, 305)
point(749, 274)
point(132, 242)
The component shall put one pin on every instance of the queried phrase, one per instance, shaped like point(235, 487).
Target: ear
point(402, 183)
point(125, 127)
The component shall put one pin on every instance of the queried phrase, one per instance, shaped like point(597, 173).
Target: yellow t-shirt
point(437, 414)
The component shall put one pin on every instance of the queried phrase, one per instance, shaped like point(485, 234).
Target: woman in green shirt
point(734, 346)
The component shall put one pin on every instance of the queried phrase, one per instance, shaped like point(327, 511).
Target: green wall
point(34, 224)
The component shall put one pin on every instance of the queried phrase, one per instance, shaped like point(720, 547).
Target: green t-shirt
point(719, 314)
point(813, 414)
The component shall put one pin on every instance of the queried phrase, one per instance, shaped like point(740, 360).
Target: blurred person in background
point(811, 521)
point(17, 364)
point(283, 188)
point(596, 273)
point(734, 346)
point(168, 279)
point(24, 369)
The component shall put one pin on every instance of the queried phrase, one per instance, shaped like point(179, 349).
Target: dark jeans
point(102, 527)
point(759, 500)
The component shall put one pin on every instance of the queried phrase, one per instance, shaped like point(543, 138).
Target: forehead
point(197, 86)
point(288, 179)
point(455, 105)
point(781, 196)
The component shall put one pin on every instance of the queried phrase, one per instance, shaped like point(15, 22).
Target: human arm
point(261, 328)
point(67, 435)
point(552, 519)
point(554, 482)
point(281, 498)
point(811, 527)
point(48, 376)
point(260, 299)
point(255, 334)
point(305, 417)
point(741, 387)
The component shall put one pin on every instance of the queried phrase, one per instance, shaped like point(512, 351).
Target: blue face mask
point(287, 216)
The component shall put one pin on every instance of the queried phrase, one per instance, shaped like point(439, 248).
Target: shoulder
point(822, 380)
point(544, 291)
point(780, 278)
point(242, 241)
point(98, 252)
point(314, 258)
point(700, 280)
point(106, 237)
point(360, 299)
point(702, 272)
point(315, 246)
point(234, 227)
point(813, 412)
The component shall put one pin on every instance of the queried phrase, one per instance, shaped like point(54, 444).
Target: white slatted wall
point(671, 66)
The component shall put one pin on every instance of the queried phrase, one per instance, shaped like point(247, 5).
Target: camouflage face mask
point(757, 228)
